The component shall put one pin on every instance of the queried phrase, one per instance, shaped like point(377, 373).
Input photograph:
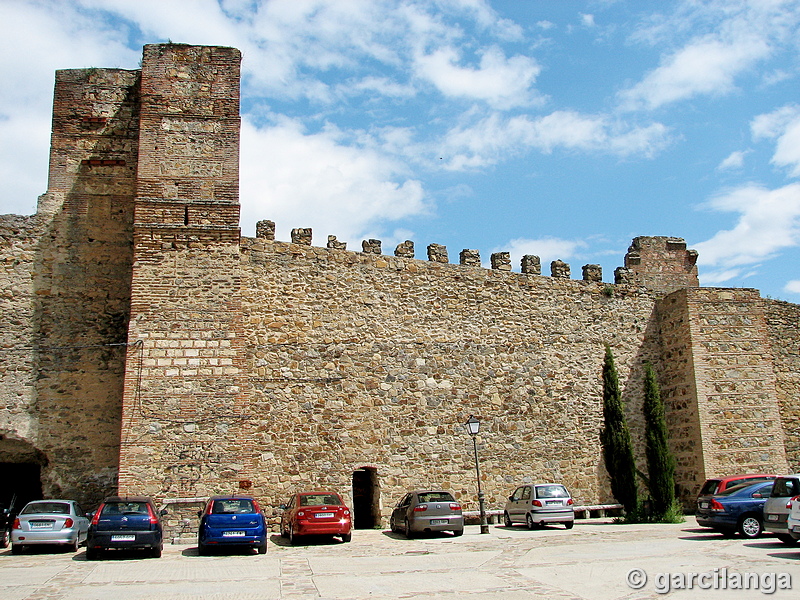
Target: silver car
point(60, 522)
point(776, 508)
point(539, 504)
point(427, 511)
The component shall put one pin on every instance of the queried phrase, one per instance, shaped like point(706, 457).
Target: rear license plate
point(233, 534)
point(704, 505)
point(772, 517)
point(796, 529)
point(123, 538)
point(324, 515)
point(438, 521)
point(551, 502)
point(41, 525)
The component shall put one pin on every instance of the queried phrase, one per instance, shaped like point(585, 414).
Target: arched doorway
point(366, 498)
point(20, 473)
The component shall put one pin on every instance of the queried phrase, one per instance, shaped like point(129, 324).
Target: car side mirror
point(162, 512)
point(199, 514)
point(283, 506)
point(511, 498)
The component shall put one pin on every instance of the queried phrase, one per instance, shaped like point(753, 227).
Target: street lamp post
point(473, 426)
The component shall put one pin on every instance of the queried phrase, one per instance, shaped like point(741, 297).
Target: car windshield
point(50, 508)
point(319, 500)
point(124, 508)
point(785, 487)
point(762, 488)
point(435, 497)
point(710, 487)
point(233, 506)
point(551, 491)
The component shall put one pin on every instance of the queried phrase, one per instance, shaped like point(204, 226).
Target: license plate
point(704, 505)
point(438, 521)
point(323, 515)
point(41, 525)
point(772, 517)
point(550, 502)
point(123, 538)
point(796, 529)
point(233, 534)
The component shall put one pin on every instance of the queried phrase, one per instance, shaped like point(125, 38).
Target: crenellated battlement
point(659, 263)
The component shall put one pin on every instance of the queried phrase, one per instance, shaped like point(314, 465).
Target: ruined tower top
point(661, 264)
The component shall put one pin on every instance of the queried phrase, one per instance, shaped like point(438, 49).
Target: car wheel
point(284, 531)
point(529, 521)
point(156, 552)
point(458, 532)
point(202, 549)
point(787, 539)
point(262, 549)
point(292, 536)
point(750, 527)
point(92, 554)
point(4, 537)
point(569, 524)
point(17, 549)
point(409, 533)
point(346, 537)
point(73, 547)
point(507, 520)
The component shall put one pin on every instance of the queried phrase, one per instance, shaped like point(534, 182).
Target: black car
point(125, 523)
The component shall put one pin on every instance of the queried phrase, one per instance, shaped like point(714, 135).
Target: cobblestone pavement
point(588, 562)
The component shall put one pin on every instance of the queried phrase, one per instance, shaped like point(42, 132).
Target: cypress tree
point(660, 462)
point(616, 439)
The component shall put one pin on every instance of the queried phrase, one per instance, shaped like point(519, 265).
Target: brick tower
point(183, 397)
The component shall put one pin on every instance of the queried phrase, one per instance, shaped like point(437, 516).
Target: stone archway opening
point(20, 473)
point(21, 483)
point(366, 498)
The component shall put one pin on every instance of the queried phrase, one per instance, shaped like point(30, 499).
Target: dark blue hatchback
point(125, 523)
point(740, 508)
point(231, 521)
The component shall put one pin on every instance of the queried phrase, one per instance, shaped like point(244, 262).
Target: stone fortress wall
point(148, 348)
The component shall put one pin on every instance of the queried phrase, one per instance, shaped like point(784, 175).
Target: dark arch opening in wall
point(19, 484)
point(366, 499)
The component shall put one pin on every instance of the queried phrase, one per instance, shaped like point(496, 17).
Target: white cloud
point(782, 124)
point(705, 66)
point(501, 82)
point(793, 286)
point(494, 137)
point(300, 179)
point(708, 45)
point(587, 20)
point(735, 160)
point(769, 221)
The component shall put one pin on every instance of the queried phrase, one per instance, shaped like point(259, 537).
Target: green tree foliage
point(616, 439)
point(660, 462)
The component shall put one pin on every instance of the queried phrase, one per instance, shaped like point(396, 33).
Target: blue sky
point(562, 129)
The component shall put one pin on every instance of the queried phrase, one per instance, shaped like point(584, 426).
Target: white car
point(48, 522)
point(793, 522)
point(538, 505)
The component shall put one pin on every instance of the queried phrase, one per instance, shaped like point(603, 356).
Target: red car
point(316, 513)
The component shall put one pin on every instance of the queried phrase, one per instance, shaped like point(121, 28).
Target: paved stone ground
point(590, 562)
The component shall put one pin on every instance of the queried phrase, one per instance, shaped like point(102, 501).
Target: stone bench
point(473, 517)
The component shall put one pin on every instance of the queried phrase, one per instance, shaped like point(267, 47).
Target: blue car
point(737, 509)
point(125, 523)
point(230, 521)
